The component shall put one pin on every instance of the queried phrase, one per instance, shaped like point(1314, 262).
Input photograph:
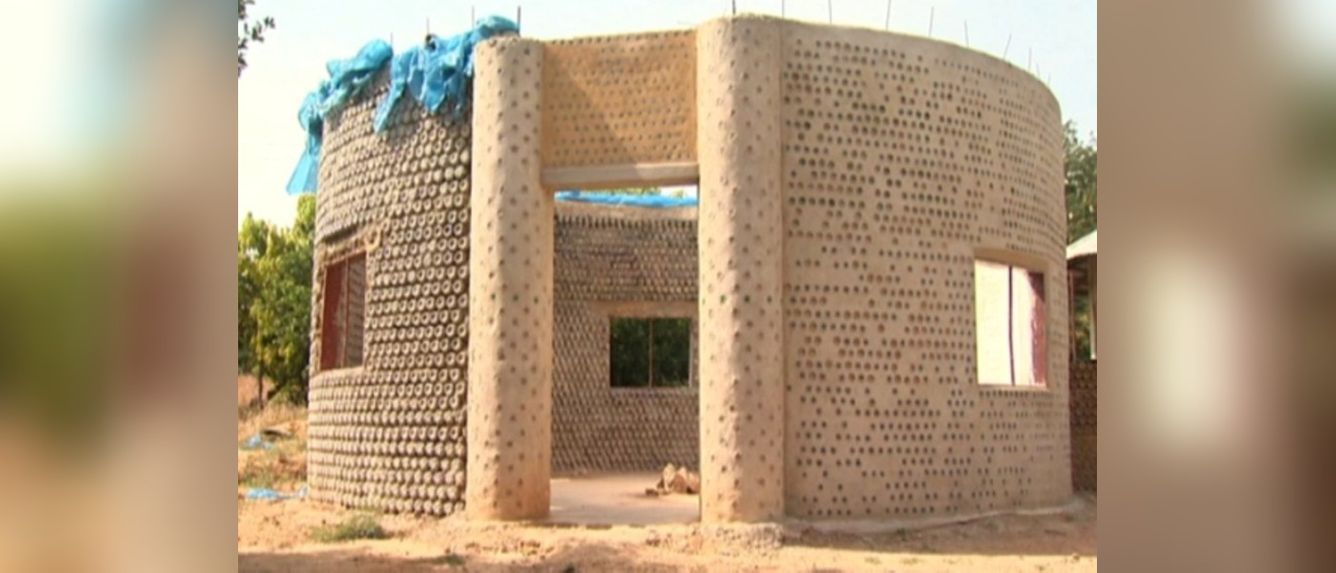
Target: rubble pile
point(676, 480)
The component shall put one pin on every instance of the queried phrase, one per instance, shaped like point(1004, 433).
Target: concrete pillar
point(741, 270)
point(510, 290)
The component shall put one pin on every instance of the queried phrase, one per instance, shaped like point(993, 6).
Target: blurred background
point(121, 127)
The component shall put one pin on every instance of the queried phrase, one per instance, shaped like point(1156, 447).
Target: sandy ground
point(275, 535)
point(617, 499)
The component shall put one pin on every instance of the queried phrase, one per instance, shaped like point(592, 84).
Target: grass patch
point(360, 526)
point(283, 464)
point(450, 559)
point(272, 469)
point(258, 475)
point(252, 420)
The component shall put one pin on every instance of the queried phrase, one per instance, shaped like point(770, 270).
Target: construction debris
point(676, 480)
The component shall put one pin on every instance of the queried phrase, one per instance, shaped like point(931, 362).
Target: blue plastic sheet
point(256, 442)
point(347, 78)
point(437, 72)
point(652, 201)
point(264, 493)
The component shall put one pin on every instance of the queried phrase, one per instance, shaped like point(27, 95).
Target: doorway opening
point(625, 399)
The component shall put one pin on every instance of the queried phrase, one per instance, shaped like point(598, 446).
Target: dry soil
point(275, 536)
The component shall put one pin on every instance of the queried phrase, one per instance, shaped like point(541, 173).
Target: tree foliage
point(249, 30)
point(1081, 188)
point(650, 352)
point(274, 300)
point(1081, 184)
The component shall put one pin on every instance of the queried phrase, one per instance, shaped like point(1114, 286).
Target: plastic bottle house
point(873, 279)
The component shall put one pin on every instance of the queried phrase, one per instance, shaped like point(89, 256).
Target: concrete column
point(741, 270)
point(510, 290)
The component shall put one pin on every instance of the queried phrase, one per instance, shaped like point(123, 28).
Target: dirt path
point(274, 536)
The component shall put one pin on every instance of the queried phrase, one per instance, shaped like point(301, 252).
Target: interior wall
point(904, 159)
point(619, 101)
point(1085, 424)
point(619, 262)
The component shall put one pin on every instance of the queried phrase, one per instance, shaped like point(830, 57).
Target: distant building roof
point(1084, 246)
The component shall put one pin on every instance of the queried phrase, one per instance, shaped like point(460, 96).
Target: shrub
point(360, 526)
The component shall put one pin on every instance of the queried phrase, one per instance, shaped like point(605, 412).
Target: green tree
point(1081, 184)
point(1082, 193)
point(274, 300)
point(650, 352)
point(249, 30)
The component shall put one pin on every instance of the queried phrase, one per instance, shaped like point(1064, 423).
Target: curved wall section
point(904, 160)
point(389, 434)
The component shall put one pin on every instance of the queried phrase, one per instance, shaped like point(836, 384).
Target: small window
point(650, 352)
point(1010, 322)
point(343, 315)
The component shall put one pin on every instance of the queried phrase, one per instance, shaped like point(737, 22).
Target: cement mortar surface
point(905, 161)
point(618, 499)
point(510, 295)
point(741, 271)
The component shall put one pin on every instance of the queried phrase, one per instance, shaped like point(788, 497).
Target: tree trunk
point(259, 371)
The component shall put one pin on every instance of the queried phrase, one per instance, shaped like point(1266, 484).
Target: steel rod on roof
point(830, 11)
point(1006, 49)
point(932, 15)
point(888, 14)
point(967, 33)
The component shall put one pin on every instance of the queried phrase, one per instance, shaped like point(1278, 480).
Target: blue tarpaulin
point(275, 495)
point(653, 201)
point(256, 442)
point(347, 78)
point(435, 73)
